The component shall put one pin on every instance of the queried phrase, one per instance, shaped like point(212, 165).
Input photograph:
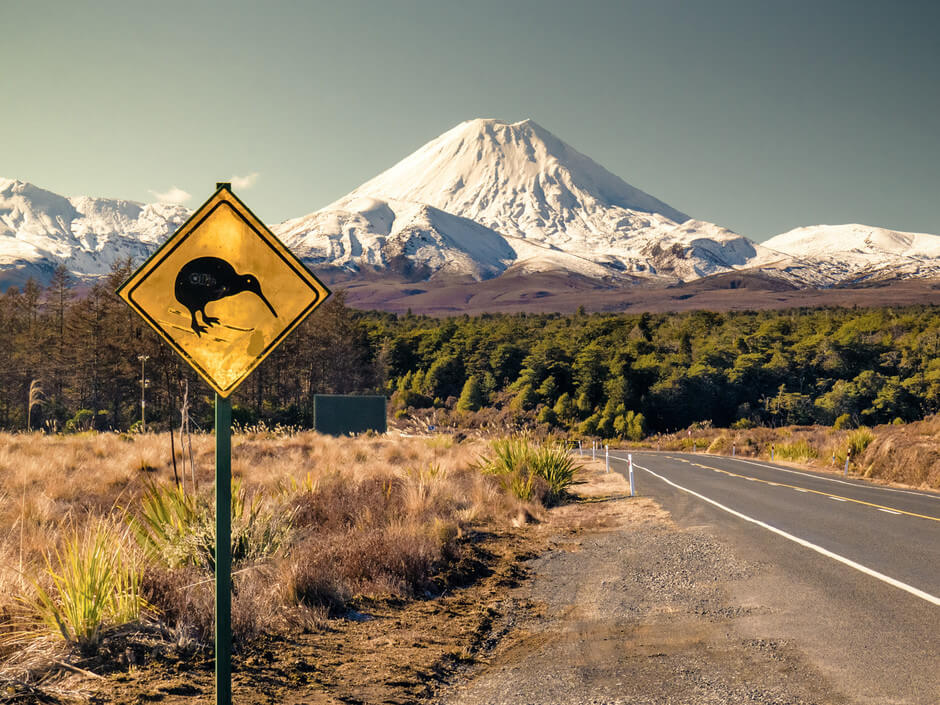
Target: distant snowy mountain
point(484, 199)
point(552, 207)
point(40, 229)
point(855, 252)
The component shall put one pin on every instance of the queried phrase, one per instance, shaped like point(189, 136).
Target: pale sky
point(758, 115)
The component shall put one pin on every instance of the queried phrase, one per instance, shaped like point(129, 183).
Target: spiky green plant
point(798, 451)
point(165, 524)
point(554, 464)
point(519, 462)
point(859, 440)
point(95, 583)
point(507, 455)
point(520, 484)
point(175, 527)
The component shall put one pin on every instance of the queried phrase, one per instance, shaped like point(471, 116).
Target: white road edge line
point(888, 511)
point(802, 542)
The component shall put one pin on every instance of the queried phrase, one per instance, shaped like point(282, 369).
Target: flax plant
point(95, 584)
point(520, 464)
point(175, 527)
point(554, 464)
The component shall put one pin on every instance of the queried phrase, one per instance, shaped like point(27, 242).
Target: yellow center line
point(824, 494)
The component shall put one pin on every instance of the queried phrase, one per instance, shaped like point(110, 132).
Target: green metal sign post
point(223, 257)
point(223, 550)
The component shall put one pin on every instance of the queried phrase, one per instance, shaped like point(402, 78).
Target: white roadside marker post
point(848, 455)
point(593, 450)
point(580, 450)
point(607, 457)
point(630, 462)
point(733, 450)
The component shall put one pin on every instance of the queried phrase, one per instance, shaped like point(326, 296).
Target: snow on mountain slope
point(858, 252)
point(403, 236)
point(527, 186)
point(87, 235)
point(521, 181)
point(856, 241)
point(417, 239)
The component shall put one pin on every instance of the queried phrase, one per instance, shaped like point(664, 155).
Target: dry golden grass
point(907, 454)
point(369, 516)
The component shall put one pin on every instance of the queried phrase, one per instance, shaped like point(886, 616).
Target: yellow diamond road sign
point(223, 291)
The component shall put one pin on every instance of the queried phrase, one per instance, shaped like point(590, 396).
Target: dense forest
point(620, 375)
point(70, 361)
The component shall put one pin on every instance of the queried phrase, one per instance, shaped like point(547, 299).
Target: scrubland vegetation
point(106, 548)
point(904, 453)
point(628, 376)
point(70, 363)
point(104, 554)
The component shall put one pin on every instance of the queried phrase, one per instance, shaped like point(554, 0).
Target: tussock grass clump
point(531, 471)
point(176, 527)
point(721, 444)
point(93, 582)
point(797, 451)
point(553, 463)
point(859, 440)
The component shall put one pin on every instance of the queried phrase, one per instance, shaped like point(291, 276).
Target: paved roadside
point(853, 581)
point(629, 608)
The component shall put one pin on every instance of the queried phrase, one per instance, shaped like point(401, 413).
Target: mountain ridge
point(483, 199)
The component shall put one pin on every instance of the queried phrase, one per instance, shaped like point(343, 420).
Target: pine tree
point(471, 397)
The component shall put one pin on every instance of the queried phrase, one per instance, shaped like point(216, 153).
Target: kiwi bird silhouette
point(208, 279)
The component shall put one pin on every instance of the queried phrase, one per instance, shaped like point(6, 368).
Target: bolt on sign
point(223, 291)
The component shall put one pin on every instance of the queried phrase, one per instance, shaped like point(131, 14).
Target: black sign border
point(169, 247)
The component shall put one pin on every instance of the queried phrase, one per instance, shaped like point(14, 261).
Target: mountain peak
point(492, 125)
point(518, 179)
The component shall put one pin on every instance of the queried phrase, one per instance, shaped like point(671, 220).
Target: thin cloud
point(175, 196)
point(240, 183)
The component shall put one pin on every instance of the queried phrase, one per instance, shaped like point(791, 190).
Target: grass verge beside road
point(907, 454)
point(107, 561)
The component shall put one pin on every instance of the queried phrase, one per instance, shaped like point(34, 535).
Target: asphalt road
point(850, 571)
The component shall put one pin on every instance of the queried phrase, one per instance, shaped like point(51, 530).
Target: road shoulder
point(626, 607)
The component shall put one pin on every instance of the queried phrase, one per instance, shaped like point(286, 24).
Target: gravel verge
point(627, 608)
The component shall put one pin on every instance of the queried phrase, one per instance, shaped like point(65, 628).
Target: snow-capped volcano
point(483, 199)
point(518, 179)
point(553, 207)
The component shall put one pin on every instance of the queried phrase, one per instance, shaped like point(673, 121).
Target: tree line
point(626, 375)
point(70, 361)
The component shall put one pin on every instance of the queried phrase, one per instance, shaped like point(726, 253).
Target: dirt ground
point(627, 608)
point(606, 601)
